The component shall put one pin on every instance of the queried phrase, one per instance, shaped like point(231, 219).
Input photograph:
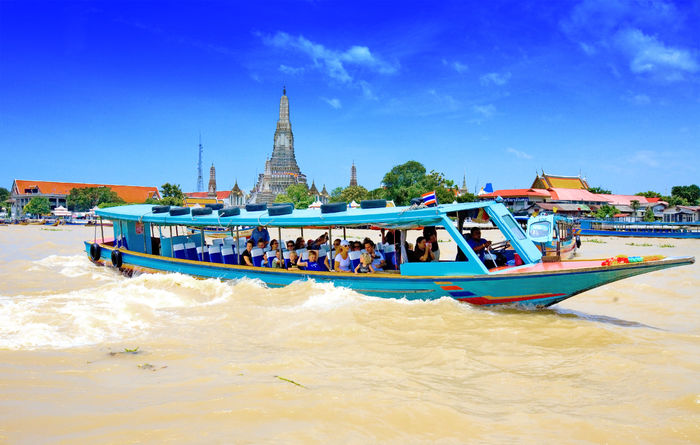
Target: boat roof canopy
point(388, 217)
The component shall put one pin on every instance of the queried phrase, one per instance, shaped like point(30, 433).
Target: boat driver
point(480, 246)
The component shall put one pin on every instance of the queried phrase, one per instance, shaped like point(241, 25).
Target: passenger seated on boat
point(261, 244)
point(312, 264)
point(274, 245)
point(410, 253)
point(336, 243)
point(300, 243)
point(356, 246)
point(247, 255)
point(277, 261)
point(365, 265)
point(423, 251)
point(260, 233)
point(318, 242)
point(290, 245)
point(430, 234)
point(378, 261)
point(293, 260)
point(342, 259)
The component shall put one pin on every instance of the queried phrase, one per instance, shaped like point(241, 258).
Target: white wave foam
point(119, 309)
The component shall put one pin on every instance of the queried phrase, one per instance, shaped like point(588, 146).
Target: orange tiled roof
point(516, 193)
point(129, 193)
point(219, 194)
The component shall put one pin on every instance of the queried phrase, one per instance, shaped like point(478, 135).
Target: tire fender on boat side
point(578, 242)
point(116, 259)
point(95, 252)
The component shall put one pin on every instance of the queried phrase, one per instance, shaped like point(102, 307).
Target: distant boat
point(148, 239)
point(557, 236)
point(639, 229)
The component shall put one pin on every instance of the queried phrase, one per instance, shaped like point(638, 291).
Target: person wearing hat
point(342, 259)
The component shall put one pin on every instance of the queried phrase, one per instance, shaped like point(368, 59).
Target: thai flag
point(429, 198)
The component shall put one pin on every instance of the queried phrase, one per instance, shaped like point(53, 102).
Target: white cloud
point(445, 101)
point(334, 102)
point(627, 32)
point(495, 78)
point(645, 157)
point(647, 55)
point(333, 62)
point(367, 91)
point(460, 67)
point(485, 111)
point(637, 99)
point(291, 70)
point(518, 153)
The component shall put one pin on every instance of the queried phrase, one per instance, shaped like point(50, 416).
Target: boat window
point(540, 229)
point(514, 227)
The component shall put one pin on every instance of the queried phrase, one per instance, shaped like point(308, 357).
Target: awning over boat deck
point(389, 217)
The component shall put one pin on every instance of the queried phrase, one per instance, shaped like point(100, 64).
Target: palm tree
point(635, 206)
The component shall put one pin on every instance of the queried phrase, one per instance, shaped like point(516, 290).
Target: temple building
point(281, 170)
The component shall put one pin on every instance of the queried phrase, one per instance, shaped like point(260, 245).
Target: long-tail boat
point(150, 239)
point(557, 236)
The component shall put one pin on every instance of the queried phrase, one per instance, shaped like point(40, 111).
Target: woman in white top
point(342, 259)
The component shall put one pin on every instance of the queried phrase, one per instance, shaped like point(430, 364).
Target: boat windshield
point(540, 229)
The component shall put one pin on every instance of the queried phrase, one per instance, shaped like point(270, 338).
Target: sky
point(119, 92)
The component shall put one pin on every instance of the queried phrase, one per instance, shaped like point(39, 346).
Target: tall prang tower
point(353, 175)
point(281, 170)
point(211, 192)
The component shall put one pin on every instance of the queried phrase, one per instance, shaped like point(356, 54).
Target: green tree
point(635, 206)
point(649, 194)
point(111, 204)
point(675, 201)
point(409, 180)
point(355, 193)
point(649, 215)
point(335, 194)
point(606, 211)
point(83, 199)
point(171, 194)
point(599, 190)
point(445, 189)
point(38, 206)
point(4, 197)
point(298, 194)
point(467, 197)
point(690, 193)
point(404, 182)
point(378, 193)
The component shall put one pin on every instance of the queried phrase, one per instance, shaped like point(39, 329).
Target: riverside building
point(23, 191)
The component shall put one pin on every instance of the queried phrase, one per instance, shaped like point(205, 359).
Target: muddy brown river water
point(90, 356)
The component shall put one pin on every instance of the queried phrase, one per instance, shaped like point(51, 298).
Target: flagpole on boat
point(238, 247)
point(279, 242)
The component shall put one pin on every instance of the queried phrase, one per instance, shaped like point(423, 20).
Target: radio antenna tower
point(200, 180)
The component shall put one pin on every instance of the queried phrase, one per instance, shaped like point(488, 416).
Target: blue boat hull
point(536, 289)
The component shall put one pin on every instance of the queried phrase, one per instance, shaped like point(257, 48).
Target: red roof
point(517, 193)
point(129, 193)
point(561, 194)
point(224, 194)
